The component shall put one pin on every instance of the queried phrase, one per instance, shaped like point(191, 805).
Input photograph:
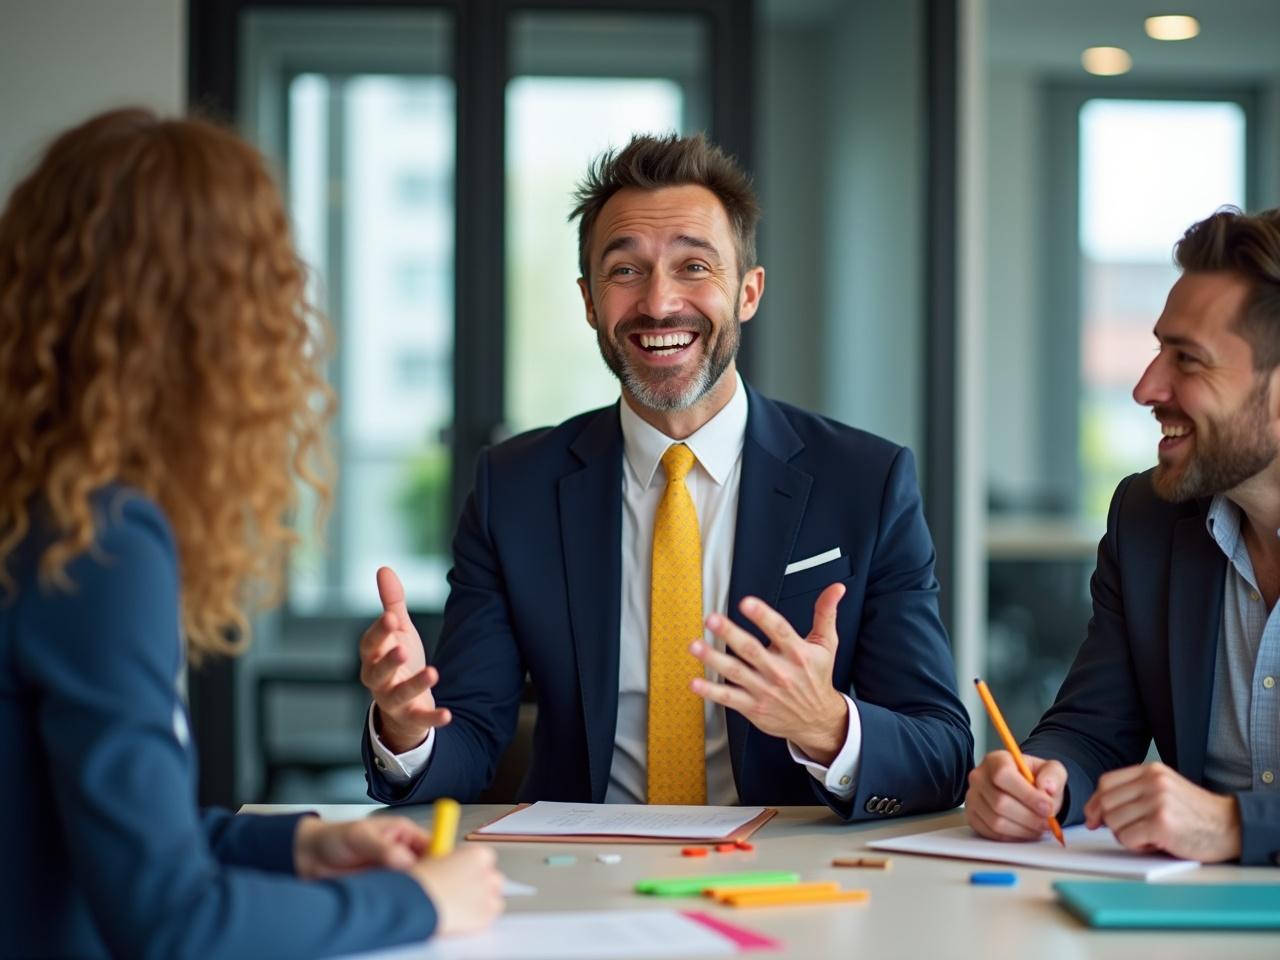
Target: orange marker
point(725, 894)
point(798, 898)
point(1002, 728)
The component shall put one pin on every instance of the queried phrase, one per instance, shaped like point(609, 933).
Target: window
point(1148, 170)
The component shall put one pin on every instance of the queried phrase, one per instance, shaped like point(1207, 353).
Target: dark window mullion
point(479, 271)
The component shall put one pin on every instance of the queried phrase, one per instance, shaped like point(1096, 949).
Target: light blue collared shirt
point(1243, 750)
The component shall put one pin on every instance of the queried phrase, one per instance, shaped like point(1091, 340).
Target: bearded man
point(650, 565)
point(1184, 644)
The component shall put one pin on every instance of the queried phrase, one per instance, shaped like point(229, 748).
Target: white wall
point(1013, 302)
point(874, 354)
point(63, 60)
point(786, 337)
point(841, 176)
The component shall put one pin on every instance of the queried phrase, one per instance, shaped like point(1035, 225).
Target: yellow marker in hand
point(444, 826)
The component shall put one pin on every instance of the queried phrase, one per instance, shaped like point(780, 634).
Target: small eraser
point(562, 860)
point(993, 878)
point(743, 845)
point(608, 858)
point(694, 851)
point(726, 848)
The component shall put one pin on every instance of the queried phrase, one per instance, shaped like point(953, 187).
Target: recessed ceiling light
point(1106, 61)
point(1172, 28)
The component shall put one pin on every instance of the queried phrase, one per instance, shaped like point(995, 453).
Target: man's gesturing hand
point(393, 667)
point(784, 689)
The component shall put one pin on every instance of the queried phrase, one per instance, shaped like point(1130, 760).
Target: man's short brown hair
point(652, 162)
point(1249, 246)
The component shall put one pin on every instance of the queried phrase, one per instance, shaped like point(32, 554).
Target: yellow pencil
point(1002, 728)
point(444, 826)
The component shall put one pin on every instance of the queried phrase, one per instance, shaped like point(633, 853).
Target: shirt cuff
point(841, 778)
point(399, 769)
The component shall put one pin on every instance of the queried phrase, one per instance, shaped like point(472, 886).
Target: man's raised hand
point(393, 668)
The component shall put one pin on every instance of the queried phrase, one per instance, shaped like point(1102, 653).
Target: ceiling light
point(1106, 61)
point(1172, 28)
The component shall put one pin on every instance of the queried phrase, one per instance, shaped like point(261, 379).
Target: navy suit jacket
point(104, 851)
point(536, 587)
point(1146, 667)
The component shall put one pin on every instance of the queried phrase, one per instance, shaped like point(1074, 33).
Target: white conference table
point(923, 907)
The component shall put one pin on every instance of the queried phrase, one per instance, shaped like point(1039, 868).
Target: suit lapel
point(1195, 617)
point(591, 535)
point(772, 496)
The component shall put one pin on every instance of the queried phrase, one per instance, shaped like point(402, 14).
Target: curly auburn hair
point(155, 333)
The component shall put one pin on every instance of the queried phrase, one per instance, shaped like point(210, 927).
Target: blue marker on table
point(993, 878)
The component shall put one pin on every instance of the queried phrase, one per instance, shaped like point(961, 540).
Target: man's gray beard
point(648, 394)
point(1240, 451)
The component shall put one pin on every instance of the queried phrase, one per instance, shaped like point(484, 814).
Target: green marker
point(692, 886)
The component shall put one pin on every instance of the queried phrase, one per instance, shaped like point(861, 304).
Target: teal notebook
point(1218, 906)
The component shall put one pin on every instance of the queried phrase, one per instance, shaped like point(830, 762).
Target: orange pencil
point(1002, 728)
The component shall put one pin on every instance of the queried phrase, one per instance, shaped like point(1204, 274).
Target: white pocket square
point(816, 560)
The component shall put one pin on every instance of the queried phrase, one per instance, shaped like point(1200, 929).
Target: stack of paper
point(624, 823)
point(1087, 851)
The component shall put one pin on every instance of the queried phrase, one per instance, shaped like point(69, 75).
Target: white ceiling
point(1238, 39)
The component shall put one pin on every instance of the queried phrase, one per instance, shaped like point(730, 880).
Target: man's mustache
point(686, 321)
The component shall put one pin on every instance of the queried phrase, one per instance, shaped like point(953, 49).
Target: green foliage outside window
point(423, 501)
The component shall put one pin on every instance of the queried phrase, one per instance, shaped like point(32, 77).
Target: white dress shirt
point(713, 484)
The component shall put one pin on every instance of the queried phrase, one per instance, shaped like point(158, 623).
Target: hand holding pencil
point(464, 885)
point(1012, 796)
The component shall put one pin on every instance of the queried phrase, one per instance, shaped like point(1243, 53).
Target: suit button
point(871, 804)
point(883, 805)
point(895, 808)
point(844, 781)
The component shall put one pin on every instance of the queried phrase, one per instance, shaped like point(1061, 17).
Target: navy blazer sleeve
point(916, 741)
point(157, 876)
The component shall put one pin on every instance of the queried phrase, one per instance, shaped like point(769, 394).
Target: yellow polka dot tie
point(677, 755)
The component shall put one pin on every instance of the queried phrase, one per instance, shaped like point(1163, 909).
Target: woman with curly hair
point(161, 399)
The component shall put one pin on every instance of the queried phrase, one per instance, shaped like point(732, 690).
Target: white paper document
point(587, 935)
point(552, 819)
point(1087, 851)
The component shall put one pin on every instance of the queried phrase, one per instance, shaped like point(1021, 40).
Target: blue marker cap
point(993, 878)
